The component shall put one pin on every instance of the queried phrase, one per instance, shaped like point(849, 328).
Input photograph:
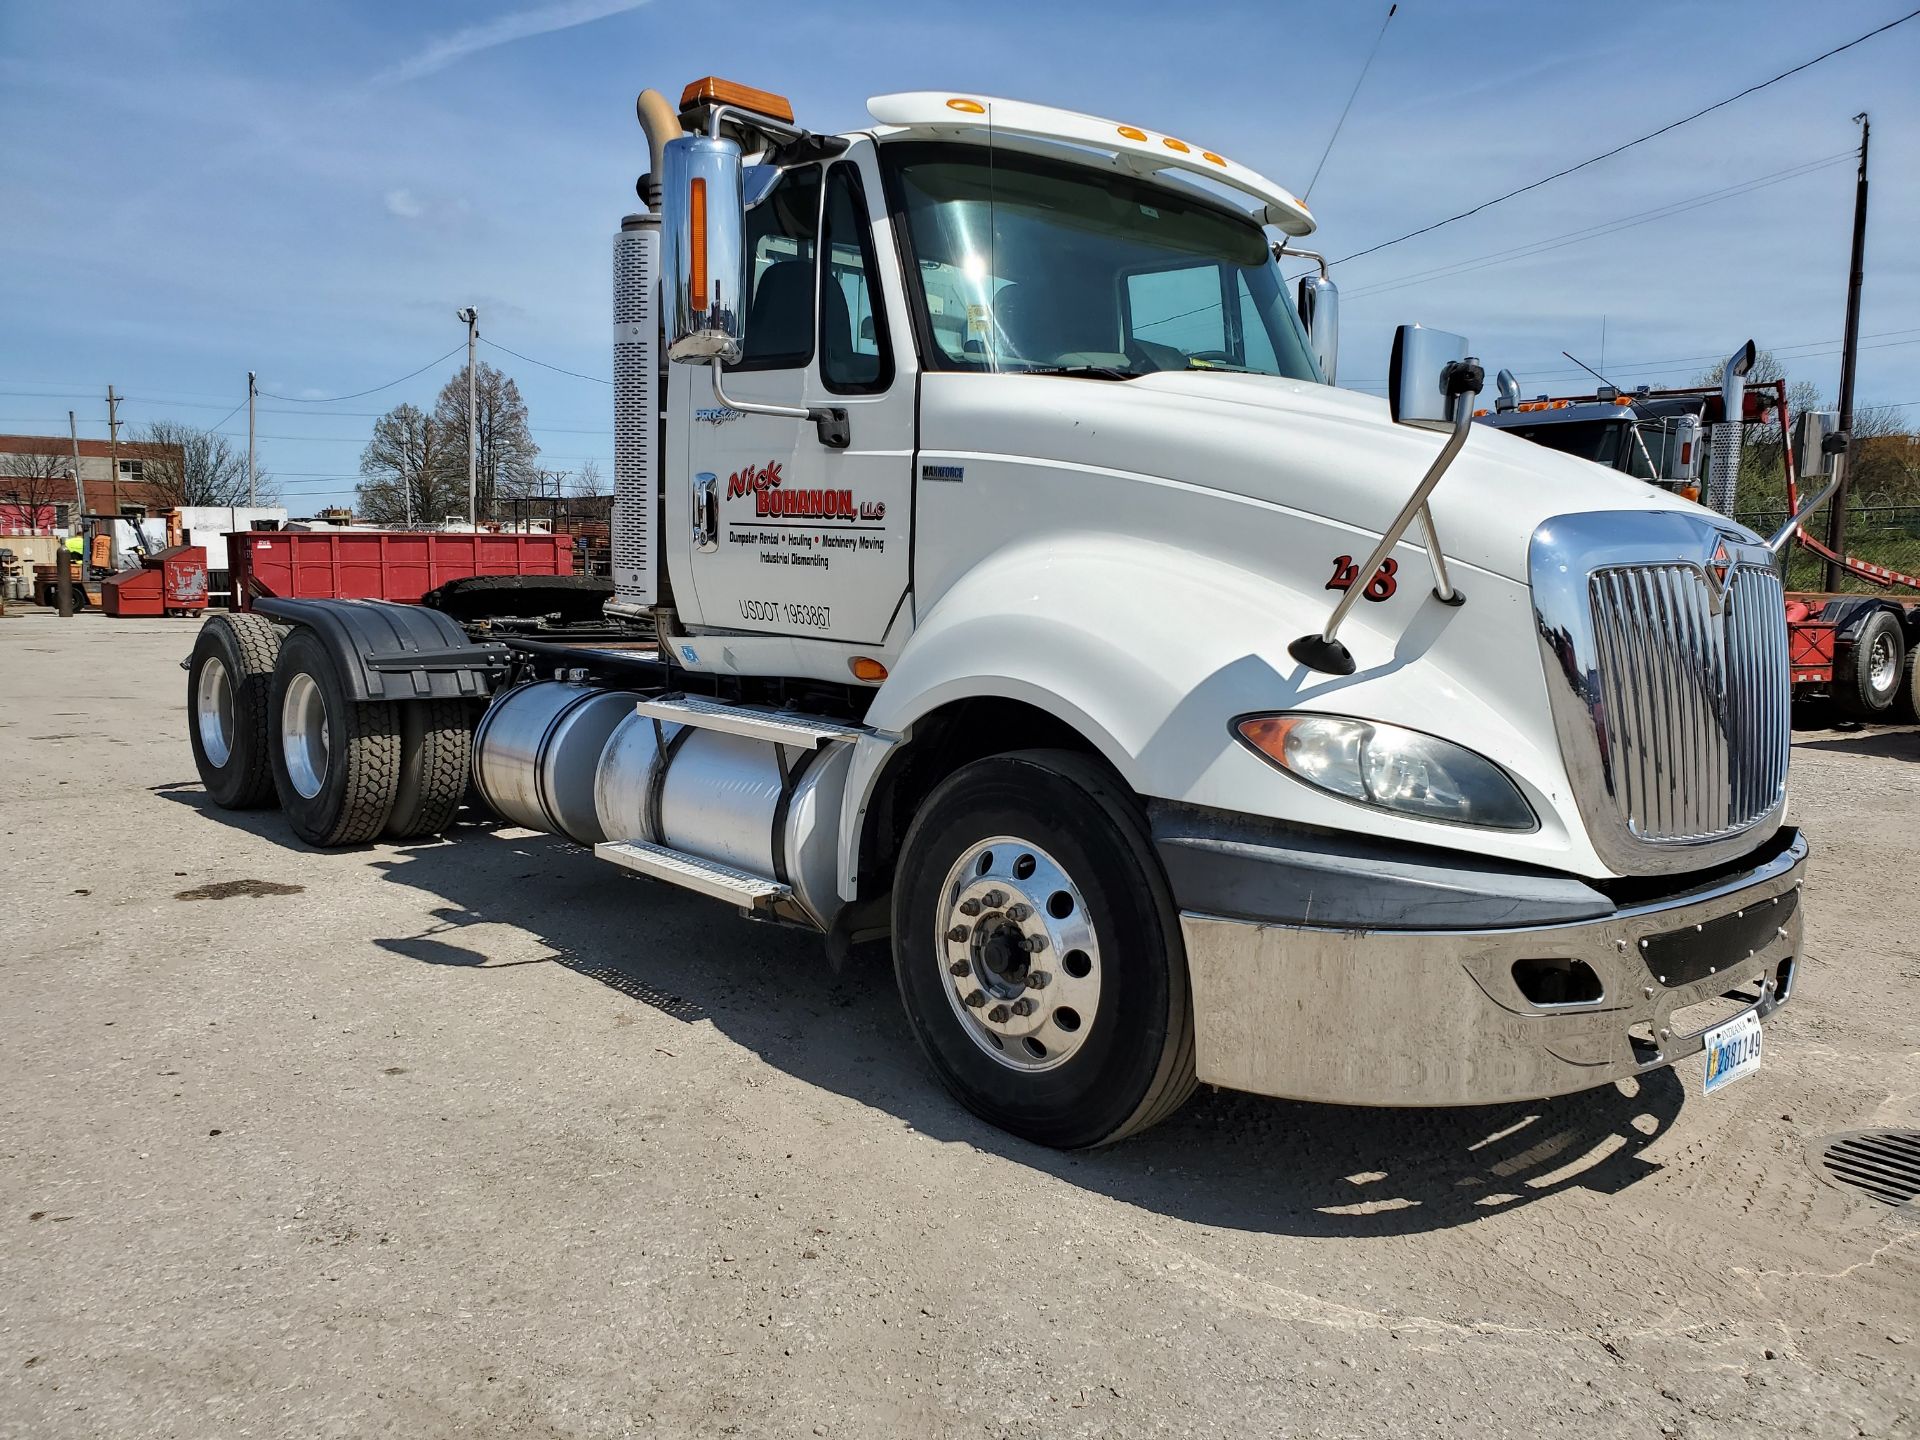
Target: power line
point(1638, 140)
point(330, 399)
point(1593, 232)
point(557, 369)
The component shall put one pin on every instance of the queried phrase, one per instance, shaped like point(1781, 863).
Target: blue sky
point(196, 188)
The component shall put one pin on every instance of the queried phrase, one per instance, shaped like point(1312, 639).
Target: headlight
point(1392, 768)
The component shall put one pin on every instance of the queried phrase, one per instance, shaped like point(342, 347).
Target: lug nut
point(998, 1015)
point(975, 1000)
point(958, 933)
point(1024, 1006)
point(1019, 914)
point(1038, 979)
point(969, 907)
point(1036, 943)
point(994, 899)
point(960, 968)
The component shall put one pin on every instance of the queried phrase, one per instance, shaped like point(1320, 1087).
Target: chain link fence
point(1886, 535)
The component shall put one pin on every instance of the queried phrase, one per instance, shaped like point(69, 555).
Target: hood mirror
point(1812, 458)
point(1431, 382)
point(1418, 376)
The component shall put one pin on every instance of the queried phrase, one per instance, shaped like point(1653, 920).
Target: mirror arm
point(1323, 652)
point(830, 422)
point(1787, 531)
point(1284, 249)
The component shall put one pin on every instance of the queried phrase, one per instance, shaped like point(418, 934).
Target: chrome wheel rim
point(304, 742)
point(1880, 667)
point(1021, 955)
point(213, 711)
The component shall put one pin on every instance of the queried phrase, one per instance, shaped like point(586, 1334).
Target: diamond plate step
point(690, 872)
point(777, 727)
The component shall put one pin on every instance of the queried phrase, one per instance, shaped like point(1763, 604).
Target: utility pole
point(250, 392)
point(1849, 358)
point(79, 490)
point(113, 447)
point(472, 317)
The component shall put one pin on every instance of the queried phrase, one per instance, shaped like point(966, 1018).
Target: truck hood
point(1322, 451)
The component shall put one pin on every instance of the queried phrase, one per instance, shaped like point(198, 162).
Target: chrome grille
point(1691, 713)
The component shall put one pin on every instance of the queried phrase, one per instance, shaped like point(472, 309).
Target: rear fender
point(370, 640)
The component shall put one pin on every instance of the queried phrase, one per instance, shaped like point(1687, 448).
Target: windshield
point(1596, 440)
point(1032, 264)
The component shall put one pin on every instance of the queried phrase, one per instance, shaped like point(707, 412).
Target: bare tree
point(407, 479)
point(35, 482)
point(190, 466)
point(585, 482)
point(506, 452)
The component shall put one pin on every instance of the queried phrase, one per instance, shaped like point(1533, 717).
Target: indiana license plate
point(1733, 1050)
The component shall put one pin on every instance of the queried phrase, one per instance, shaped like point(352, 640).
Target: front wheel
point(1038, 951)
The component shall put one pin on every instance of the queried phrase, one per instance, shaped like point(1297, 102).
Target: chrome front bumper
point(1436, 1017)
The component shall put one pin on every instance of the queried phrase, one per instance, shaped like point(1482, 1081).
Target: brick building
point(118, 480)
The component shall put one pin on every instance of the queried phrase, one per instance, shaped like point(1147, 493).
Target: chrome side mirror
point(1812, 455)
point(1320, 312)
point(1420, 376)
point(1686, 451)
point(705, 259)
point(1507, 387)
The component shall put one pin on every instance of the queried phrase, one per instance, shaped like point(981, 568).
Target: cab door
point(785, 534)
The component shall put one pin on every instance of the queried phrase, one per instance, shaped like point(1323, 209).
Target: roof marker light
point(1180, 145)
point(712, 90)
point(1209, 155)
point(1131, 132)
point(967, 107)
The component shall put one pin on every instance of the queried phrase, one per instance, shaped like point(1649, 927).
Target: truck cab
point(1006, 577)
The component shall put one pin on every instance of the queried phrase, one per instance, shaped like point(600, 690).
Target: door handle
point(706, 511)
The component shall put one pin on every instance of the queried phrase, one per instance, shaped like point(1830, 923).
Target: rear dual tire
point(1870, 681)
point(336, 760)
point(229, 680)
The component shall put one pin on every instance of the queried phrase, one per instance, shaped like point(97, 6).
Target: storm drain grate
point(1882, 1164)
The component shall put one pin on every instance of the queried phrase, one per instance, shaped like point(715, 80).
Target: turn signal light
point(714, 91)
point(697, 222)
point(866, 668)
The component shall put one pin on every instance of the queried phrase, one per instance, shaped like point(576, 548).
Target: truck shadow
point(1228, 1159)
point(1894, 743)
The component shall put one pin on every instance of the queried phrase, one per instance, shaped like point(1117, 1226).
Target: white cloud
point(405, 204)
point(449, 49)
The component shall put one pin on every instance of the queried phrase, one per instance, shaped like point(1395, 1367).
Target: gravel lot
point(483, 1137)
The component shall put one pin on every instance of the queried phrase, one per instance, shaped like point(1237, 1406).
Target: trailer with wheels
point(999, 572)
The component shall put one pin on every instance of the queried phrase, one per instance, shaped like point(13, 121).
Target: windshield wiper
point(1087, 372)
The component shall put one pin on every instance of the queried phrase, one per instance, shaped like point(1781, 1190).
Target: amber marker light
point(1129, 132)
point(1180, 145)
point(1208, 155)
point(868, 669)
point(697, 219)
point(712, 90)
point(1268, 735)
point(967, 107)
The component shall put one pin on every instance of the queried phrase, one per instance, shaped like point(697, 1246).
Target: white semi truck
point(998, 570)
